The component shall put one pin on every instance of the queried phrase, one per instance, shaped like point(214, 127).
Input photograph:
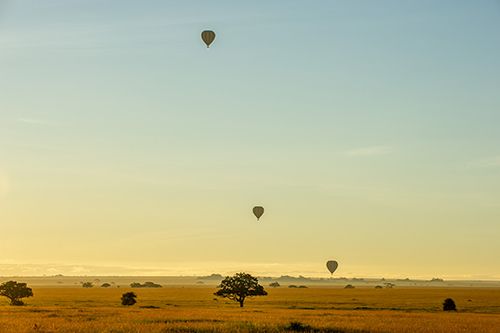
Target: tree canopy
point(14, 291)
point(240, 286)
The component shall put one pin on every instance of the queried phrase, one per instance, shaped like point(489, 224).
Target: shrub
point(129, 299)
point(449, 305)
point(105, 285)
point(274, 284)
point(87, 285)
point(349, 286)
point(297, 326)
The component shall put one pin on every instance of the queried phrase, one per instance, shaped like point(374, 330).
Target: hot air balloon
point(332, 265)
point(258, 211)
point(208, 37)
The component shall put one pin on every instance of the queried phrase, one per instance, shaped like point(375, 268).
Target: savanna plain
point(196, 309)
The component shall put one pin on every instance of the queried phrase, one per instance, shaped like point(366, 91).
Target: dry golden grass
point(192, 309)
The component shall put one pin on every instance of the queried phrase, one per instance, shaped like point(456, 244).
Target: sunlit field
point(188, 309)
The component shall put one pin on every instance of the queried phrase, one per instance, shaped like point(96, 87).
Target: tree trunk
point(241, 303)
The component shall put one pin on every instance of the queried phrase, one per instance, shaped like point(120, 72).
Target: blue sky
point(368, 130)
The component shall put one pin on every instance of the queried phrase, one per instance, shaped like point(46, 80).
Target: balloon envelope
point(332, 265)
point(208, 36)
point(258, 211)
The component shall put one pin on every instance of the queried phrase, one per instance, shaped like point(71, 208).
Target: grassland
point(193, 309)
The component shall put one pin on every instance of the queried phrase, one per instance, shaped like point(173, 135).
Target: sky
point(369, 131)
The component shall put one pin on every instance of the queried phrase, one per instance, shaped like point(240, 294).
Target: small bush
point(87, 285)
point(349, 286)
point(449, 305)
point(274, 284)
point(297, 326)
point(105, 285)
point(129, 299)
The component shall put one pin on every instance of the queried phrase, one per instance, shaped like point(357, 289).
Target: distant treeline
point(303, 279)
point(145, 285)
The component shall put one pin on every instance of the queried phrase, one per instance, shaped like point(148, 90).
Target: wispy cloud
point(489, 162)
point(369, 151)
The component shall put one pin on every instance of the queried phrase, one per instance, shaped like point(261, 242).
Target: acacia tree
point(15, 291)
point(240, 286)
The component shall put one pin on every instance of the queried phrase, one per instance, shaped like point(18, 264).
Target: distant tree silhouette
point(240, 286)
point(274, 284)
point(449, 305)
point(105, 285)
point(14, 291)
point(129, 298)
point(349, 286)
point(211, 277)
point(145, 285)
point(87, 285)
point(436, 280)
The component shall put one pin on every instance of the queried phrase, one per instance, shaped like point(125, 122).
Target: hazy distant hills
point(214, 279)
